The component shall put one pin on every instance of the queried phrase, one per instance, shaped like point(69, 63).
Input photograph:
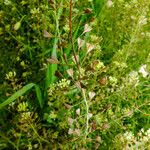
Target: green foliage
point(16, 95)
point(85, 89)
point(21, 92)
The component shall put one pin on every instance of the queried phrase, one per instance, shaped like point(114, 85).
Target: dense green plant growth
point(75, 74)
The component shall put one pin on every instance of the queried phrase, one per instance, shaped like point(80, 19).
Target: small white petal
point(70, 72)
point(109, 3)
point(70, 131)
point(80, 43)
point(89, 47)
point(70, 121)
point(143, 71)
point(87, 28)
point(90, 115)
point(78, 111)
point(91, 95)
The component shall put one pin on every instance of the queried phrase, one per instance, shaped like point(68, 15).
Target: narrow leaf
point(17, 94)
point(39, 95)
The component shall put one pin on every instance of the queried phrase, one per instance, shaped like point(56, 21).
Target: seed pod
point(53, 60)
point(17, 26)
point(87, 11)
point(94, 125)
point(103, 81)
point(70, 72)
point(46, 34)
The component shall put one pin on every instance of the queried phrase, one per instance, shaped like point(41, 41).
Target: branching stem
point(76, 61)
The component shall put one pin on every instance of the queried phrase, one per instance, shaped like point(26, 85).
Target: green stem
point(87, 112)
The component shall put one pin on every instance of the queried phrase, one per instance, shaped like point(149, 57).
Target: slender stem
point(71, 38)
point(87, 112)
point(41, 138)
point(76, 61)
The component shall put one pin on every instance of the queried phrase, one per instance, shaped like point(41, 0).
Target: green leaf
point(39, 95)
point(23, 91)
point(51, 69)
point(51, 74)
point(17, 94)
point(98, 6)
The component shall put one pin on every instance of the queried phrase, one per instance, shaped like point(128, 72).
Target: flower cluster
point(143, 71)
point(64, 83)
point(128, 136)
point(120, 64)
point(23, 107)
point(133, 78)
point(113, 80)
point(26, 115)
point(139, 141)
point(11, 75)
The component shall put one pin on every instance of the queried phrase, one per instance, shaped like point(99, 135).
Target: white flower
point(142, 130)
point(134, 78)
point(90, 115)
point(128, 135)
point(91, 95)
point(109, 3)
point(143, 71)
point(113, 80)
point(147, 133)
point(78, 111)
point(143, 20)
point(63, 83)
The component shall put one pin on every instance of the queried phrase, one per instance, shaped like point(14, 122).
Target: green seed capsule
point(17, 25)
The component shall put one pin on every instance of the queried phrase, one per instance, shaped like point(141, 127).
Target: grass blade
point(23, 91)
point(51, 69)
point(39, 95)
point(17, 94)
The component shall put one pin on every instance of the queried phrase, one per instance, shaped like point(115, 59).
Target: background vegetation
point(75, 74)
